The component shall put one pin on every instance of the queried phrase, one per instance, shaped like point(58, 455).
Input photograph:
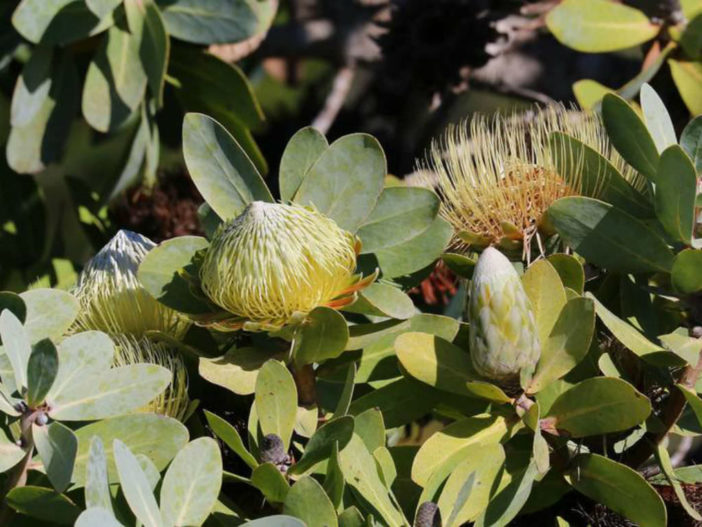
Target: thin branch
point(335, 100)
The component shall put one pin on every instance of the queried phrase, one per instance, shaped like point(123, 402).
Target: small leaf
point(444, 366)
point(102, 8)
point(32, 87)
point(657, 119)
point(43, 504)
point(272, 484)
point(334, 484)
point(10, 453)
point(691, 141)
point(277, 520)
point(686, 274)
point(301, 152)
point(547, 295)
point(448, 446)
point(383, 300)
point(666, 466)
point(629, 135)
point(599, 26)
point(113, 392)
point(155, 436)
point(346, 180)
point(687, 76)
point(459, 264)
point(676, 188)
point(570, 270)
point(342, 405)
point(609, 237)
point(219, 167)
point(600, 405)
point(230, 436)
point(323, 336)
point(238, 369)
point(370, 427)
point(41, 371)
point(338, 432)
point(618, 487)
point(50, 312)
point(191, 484)
point(308, 501)
point(57, 446)
point(13, 302)
point(97, 516)
point(97, 485)
point(505, 506)
point(276, 400)
point(15, 345)
point(589, 93)
point(135, 486)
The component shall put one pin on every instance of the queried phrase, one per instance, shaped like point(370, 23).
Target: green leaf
point(417, 253)
point(440, 364)
point(570, 270)
point(346, 180)
point(686, 276)
point(13, 302)
point(308, 501)
point(135, 486)
point(97, 485)
point(41, 371)
point(676, 188)
point(50, 312)
point(338, 432)
point(618, 487)
point(32, 87)
point(155, 436)
point(115, 82)
point(687, 76)
point(102, 8)
point(384, 300)
point(160, 270)
point(629, 135)
point(10, 453)
point(600, 405)
point(609, 237)
point(402, 213)
point(238, 369)
point(146, 23)
point(57, 446)
point(666, 466)
point(334, 484)
point(216, 20)
point(547, 295)
point(448, 446)
point(95, 516)
point(82, 354)
point(361, 474)
point(657, 119)
point(43, 504)
point(113, 392)
point(272, 484)
point(56, 21)
point(598, 177)
point(599, 26)
point(459, 264)
point(567, 343)
point(276, 400)
point(39, 142)
point(691, 141)
point(589, 93)
point(691, 8)
point(220, 169)
point(344, 402)
point(191, 485)
point(351, 517)
point(624, 332)
point(277, 520)
point(15, 345)
point(693, 400)
point(370, 427)
point(485, 470)
point(300, 154)
point(323, 336)
point(505, 506)
point(230, 436)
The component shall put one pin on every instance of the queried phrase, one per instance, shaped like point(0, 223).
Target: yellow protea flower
point(113, 300)
point(173, 401)
point(276, 262)
point(496, 175)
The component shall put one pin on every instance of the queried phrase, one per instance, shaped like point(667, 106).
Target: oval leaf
point(676, 189)
point(301, 152)
point(276, 400)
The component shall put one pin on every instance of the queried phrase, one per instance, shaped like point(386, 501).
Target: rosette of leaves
point(131, 51)
point(397, 230)
point(674, 28)
point(56, 394)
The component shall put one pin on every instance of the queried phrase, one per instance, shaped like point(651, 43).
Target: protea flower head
point(112, 298)
point(497, 176)
point(173, 401)
point(503, 336)
point(276, 262)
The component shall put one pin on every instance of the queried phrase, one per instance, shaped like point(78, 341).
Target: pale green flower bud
point(503, 336)
point(113, 300)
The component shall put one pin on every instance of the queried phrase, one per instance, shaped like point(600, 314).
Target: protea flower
point(503, 336)
point(497, 177)
point(275, 263)
point(173, 401)
point(112, 298)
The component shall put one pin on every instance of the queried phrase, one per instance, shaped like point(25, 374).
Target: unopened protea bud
point(503, 336)
point(174, 400)
point(113, 300)
point(275, 261)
